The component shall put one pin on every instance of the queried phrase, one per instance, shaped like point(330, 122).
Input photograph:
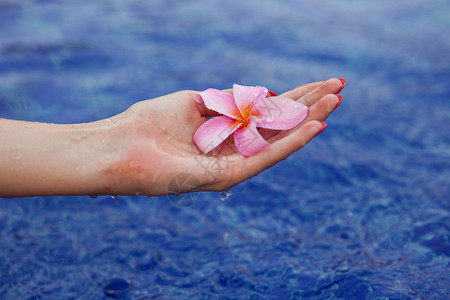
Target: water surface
point(361, 212)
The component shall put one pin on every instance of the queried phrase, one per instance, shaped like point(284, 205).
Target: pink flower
point(241, 114)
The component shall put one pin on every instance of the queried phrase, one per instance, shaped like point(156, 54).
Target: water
point(361, 212)
point(225, 195)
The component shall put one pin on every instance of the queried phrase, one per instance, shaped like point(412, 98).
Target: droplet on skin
point(16, 155)
point(78, 136)
point(17, 152)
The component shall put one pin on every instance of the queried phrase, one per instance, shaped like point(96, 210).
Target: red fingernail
point(272, 94)
point(340, 101)
point(324, 125)
point(344, 82)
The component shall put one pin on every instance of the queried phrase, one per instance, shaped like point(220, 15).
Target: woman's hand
point(157, 156)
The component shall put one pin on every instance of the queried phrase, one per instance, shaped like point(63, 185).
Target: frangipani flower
point(242, 113)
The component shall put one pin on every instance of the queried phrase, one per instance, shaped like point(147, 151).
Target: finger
point(301, 90)
point(324, 107)
point(247, 167)
point(331, 86)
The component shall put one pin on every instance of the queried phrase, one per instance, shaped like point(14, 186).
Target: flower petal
point(247, 96)
point(219, 101)
point(248, 140)
point(280, 113)
point(214, 131)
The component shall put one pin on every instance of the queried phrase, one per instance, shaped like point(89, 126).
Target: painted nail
point(324, 125)
point(272, 94)
point(339, 103)
point(344, 82)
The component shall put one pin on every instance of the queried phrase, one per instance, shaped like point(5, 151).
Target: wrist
point(133, 163)
point(101, 147)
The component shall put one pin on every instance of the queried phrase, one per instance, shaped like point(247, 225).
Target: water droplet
point(78, 136)
point(108, 121)
point(16, 155)
point(17, 152)
point(117, 288)
point(113, 197)
point(225, 195)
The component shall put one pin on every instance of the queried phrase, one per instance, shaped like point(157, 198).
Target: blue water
point(360, 213)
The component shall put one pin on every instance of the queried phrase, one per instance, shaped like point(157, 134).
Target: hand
point(155, 153)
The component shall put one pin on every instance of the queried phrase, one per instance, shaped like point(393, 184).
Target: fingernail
point(344, 82)
point(198, 98)
point(324, 125)
point(272, 94)
point(339, 103)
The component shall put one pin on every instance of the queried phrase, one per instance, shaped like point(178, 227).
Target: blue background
point(361, 212)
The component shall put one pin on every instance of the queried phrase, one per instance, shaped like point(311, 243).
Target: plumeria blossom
point(242, 113)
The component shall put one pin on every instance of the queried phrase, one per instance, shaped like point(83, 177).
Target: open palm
point(160, 156)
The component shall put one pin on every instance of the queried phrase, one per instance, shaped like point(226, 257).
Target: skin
point(147, 149)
